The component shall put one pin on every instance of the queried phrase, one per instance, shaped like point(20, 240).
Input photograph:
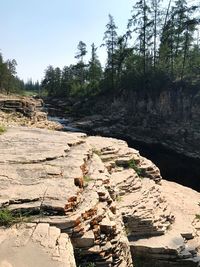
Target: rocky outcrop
point(92, 192)
point(17, 110)
point(45, 177)
point(26, 106)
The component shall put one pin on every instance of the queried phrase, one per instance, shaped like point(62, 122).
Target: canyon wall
point(169, 117)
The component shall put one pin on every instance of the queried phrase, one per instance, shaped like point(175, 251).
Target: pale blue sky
point(38, 33)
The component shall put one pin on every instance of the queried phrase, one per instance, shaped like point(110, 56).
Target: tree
point(110, 41)
point(81, 51)
point(80, 66)
point(156, 20)
point(48, 83)
point(9, 82)
point(142, 25)
point(94, 71)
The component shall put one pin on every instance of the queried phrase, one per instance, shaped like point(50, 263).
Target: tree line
point(10, 83)
point(160, 46)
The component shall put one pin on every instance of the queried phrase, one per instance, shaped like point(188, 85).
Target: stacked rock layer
point(75, 199)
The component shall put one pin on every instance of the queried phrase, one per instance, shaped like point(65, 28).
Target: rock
point(40, 171)
point(18, 110)
point(87, 240)
point(90, 189)
point(35, 245)
point(169, 118)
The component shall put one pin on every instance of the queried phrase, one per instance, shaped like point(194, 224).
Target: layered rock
point(24, 111)
point(96, 192)
point(45, 177)
point(26, 106)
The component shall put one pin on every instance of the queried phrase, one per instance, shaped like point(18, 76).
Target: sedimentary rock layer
point(91, 192)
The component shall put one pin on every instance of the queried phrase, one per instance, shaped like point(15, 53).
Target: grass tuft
point(7, 218)
point(197, 216)
point(2, 129)
point(87, 178)
point(133, 165)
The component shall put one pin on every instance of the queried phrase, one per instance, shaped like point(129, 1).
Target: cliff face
point(90, 193)
point(169, 118)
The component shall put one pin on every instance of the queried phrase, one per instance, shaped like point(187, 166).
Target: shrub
point(197, 216)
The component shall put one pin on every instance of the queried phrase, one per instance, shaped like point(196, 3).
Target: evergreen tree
point(80, 66)
point(94, 71)
point(110, 41)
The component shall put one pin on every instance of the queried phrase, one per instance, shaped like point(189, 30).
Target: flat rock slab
point(35, 166)
point(33, 245)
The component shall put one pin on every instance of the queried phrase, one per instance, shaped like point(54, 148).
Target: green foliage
point(81, 259)
point(95, 151)
point(127, 230)
point(197, 216)
point(2, 129)
point(87, 178)
point(133, 165)
point(9, 82)
point(6, 218)
point(118, 198)
point(160, 47)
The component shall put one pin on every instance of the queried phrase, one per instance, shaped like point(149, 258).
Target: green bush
point(197, 216)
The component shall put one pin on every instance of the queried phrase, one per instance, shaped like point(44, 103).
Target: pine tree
point(94, 71)
point(110, 41)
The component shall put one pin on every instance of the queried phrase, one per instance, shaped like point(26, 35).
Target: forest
point(159, 48)
point(10, 82)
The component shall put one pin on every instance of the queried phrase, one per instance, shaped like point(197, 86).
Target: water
point(65, 123)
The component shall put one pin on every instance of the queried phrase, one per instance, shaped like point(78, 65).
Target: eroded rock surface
point(31, 245)
point(24, 111)
point(94, 191)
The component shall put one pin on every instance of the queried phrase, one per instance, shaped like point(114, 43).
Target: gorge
point(89, 198)
point(163, 126)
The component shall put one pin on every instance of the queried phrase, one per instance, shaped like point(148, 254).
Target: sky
point(39, 33)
